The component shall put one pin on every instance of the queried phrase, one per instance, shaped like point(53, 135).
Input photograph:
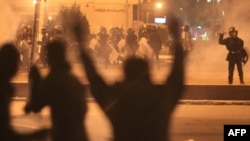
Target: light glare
point(159, 5)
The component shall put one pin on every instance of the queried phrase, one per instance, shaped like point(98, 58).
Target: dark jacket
point(64, 94)
point(234, 47)
point(138, 110)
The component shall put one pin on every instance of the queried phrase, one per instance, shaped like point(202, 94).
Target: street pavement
point(199, 116)
point(201, 83)
point(204, 66)
point(190, 122)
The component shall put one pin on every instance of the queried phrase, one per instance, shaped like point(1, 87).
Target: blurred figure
point(43, 49)
point(144, 50)
point(131, 44)
point(235, 47)
point(63, 93)
point(102, 48)
point(57, 33)
point(24, 49)
point(155, 42)
point(29, 35)
point(9, 62)
point(26, 33)
point(186, 38)
point(116, 36)
point(138, 109)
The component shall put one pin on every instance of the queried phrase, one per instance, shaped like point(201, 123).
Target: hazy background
point(209, 56)
point(8, 22)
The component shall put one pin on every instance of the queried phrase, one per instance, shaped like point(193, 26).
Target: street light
point(158, 5)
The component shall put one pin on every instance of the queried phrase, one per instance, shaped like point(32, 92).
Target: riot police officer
point(103, 48)
point(131, 43)
point(235, 47)
point(43, 50)
point(57, 33)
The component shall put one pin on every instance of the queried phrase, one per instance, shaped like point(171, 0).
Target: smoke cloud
point(208, 59)
point(9, 23)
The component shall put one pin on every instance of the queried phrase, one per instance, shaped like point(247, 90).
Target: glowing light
point(34, 1)
point(158, 5)
point(49, 18)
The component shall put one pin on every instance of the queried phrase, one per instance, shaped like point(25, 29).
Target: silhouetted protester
point(138, 109)
point(9, 62)
point(63, 93)
point(236, 53)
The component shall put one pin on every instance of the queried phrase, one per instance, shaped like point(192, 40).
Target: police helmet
point(58, 29)
point(130, 31)
point(232, 29)
point(43, 30)
point(186, 28)
point(24, 27)
point(103, 29)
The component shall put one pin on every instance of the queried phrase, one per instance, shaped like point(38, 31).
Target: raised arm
point(99, 88)
point(175, 80)
point(222, 41)
point(35, 102)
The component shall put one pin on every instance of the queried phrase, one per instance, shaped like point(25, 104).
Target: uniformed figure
point(43, 51)
point(155, 42)
point(235, 47)
point(57, 33)
point(186, 39)
point(102, 48)
point(131, 43)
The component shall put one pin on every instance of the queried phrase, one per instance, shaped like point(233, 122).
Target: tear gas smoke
point(208, 57)
point(9, 23)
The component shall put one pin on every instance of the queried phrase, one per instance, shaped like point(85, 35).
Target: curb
point(187, 102)
point(215, 102)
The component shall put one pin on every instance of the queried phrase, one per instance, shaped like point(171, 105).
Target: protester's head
point(136, 68)
point(9, 60)
point(57, 53)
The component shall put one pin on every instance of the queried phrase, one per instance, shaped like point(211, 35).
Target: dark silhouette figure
point(9, 62)
point(63, 93)
point(138, 109)
point(131, 43)
point(236, 53)
point(24, 49)
point(155, 42)
point(43, 50)
point(186, 38)
point(103, 48)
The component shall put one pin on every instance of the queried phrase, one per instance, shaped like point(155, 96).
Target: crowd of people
point(137, 109)
point(115, 46)
point(109, 47)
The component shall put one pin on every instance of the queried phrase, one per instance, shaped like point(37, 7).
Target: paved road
point(205, 65)
point(189, 123)
point(206, 76)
